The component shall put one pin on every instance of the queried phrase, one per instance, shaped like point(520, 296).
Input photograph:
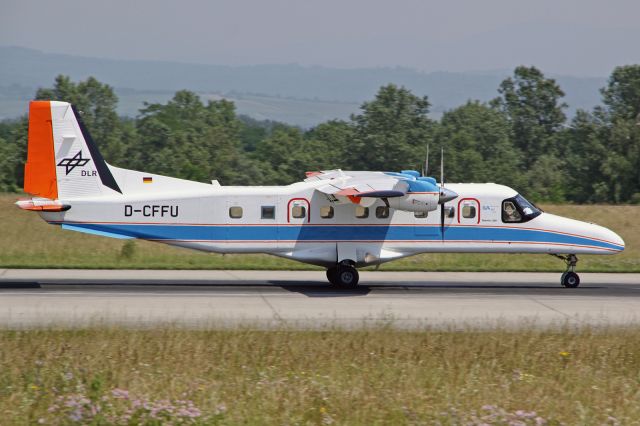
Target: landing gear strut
point(343, 275)
point(569, 278)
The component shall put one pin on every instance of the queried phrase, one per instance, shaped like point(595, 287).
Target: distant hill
point(302, 95)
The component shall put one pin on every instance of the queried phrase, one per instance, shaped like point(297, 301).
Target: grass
point(364, 377)
point(28, 242)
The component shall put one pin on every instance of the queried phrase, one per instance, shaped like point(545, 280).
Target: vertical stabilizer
point(63, 161)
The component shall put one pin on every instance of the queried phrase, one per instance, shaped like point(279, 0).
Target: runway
point(52, 298)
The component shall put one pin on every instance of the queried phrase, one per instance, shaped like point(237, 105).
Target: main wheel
point(346, 277)
point(570, 280)
point(331, 275)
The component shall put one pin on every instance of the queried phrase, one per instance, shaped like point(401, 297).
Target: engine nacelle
point(416, 202)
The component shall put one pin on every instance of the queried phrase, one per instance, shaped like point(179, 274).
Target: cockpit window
point(510, 212)
point(518, 210)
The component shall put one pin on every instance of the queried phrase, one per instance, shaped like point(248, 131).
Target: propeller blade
point(442, 221)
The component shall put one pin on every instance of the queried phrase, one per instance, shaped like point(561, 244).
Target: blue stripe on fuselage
point(312, 233)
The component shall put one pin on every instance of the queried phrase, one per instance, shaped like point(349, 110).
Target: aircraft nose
point(446, 195)
point(617, 239)
point(608, 235)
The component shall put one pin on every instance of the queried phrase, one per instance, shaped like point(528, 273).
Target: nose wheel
point(343, 276)
point(569, 278)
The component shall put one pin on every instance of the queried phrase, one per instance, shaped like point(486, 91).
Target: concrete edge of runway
point(302, 299)
point(199, 275)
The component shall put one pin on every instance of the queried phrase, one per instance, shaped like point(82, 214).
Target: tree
point(284, 155)
point(13, 154)
point(621, 165)
point(532, 104)
point(9, 163)
point(477, 146)
point(585, 147)
point(329, 145)
point(622, 94)
point(186, 139)
point(392, 131)
point(97, 104)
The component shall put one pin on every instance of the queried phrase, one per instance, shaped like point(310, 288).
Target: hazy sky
point(579, 37)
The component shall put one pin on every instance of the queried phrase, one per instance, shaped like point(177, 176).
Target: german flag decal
point(147, 180)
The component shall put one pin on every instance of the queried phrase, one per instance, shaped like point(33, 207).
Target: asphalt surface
point(37, 298)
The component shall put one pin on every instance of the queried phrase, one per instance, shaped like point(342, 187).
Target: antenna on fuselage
point(442, 167)
point(425, 167)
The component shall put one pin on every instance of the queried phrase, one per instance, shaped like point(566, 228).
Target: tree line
point(522, 138)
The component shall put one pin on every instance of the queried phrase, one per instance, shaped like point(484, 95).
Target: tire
point(570, 280)
point(331, 275)
point(564, 274)
point(347, 277)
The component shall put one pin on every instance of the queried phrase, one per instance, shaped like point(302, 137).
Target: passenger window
point(450, 212)
point(235, 212)
point(298, 212)
point(326, 212)
point(421, 215)
point(362, 212)
point(268, 212)
point(382, 212)
point(510, 213)
point(468, 211)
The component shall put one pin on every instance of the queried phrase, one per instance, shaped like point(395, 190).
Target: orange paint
point(40, 169)
point(47, 208)
point(350, 194)
point(38, 206)
point(354, 200)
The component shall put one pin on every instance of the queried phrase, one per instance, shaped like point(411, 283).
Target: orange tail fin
point(40, 170)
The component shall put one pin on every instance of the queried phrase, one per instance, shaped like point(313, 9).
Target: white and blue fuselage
point(299, 223)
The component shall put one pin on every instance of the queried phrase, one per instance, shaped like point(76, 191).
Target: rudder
point(40, 169)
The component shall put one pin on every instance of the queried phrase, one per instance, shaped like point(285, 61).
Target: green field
point(364, 377)
point(28, 242)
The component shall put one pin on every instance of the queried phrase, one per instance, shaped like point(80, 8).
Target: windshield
point(518, 209)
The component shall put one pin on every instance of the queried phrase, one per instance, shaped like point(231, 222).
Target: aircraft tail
point(63, 161)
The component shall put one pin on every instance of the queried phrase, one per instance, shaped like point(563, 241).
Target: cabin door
point(468, 211)
point(235, 219)
point(298, 211)
point(298, 214)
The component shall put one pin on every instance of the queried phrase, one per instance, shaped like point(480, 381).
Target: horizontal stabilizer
point(43, 205)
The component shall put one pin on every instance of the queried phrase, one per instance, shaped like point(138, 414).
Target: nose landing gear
point(569, 278)
point(343, 275)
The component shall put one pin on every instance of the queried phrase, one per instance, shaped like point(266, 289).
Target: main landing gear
point(343, 275)
point(569, 278)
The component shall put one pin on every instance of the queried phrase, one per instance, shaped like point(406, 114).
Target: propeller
point(445, 194)
point(441, 193)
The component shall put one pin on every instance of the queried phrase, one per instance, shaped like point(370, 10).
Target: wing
point(353, 186)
